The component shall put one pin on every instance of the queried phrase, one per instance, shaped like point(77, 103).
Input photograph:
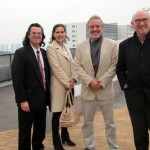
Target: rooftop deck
point(9, 131)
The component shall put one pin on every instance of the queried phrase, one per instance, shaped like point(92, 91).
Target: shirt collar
point(96, 41)
point(147, 36)
point(34, 49)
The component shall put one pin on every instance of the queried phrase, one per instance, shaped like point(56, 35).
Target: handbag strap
point(71, 98)
point(68, 99)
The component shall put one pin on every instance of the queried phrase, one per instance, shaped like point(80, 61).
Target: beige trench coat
point(62, 71)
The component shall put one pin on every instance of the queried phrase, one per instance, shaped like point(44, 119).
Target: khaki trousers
point(89, 110)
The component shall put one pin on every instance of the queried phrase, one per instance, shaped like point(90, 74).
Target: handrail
point(5, 66)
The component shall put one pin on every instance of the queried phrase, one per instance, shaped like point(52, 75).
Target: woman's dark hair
point(26, 40)
point(54, 29)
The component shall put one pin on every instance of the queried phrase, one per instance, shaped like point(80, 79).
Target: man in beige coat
point(95, 64)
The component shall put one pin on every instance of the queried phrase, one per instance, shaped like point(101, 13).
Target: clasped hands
point(71, 85)
point(95, 85)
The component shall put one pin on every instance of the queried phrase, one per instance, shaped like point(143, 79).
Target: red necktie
point(40, 68)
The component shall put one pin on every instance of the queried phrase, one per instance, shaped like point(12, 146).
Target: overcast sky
point(17, 15)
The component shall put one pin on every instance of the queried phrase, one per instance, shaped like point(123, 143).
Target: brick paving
point(9, 131)
point(8, 138)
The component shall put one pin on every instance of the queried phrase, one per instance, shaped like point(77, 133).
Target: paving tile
point(8, 139)
point(9, 131)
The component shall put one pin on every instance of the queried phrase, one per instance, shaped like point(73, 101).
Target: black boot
point(66, 138)
point(69, 142)
point(55, 132)
point(58, 147)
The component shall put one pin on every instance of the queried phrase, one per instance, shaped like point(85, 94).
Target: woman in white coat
point(62, 79)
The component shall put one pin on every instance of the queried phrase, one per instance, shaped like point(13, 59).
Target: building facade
point(125, 31)
point(77, 32)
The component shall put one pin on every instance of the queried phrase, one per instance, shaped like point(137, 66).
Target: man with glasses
point(31, 82)
point(133, 71)
point(144, 20)
point(95, 63)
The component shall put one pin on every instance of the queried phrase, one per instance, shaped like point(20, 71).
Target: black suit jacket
point(133, 66)
point(27, 81)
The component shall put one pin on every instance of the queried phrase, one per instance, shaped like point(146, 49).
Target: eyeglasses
point(144, 20)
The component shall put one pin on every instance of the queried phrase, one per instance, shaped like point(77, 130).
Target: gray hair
point(94, 17)
point(140, 11)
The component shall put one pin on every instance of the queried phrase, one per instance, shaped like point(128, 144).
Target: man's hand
point(95, 84)
point(25, 106)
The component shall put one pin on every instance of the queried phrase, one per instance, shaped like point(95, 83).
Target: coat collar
point(137, 39)
point(103, 51)
point(88, 52)
point(60, 50)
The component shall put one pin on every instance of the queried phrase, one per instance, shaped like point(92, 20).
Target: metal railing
point(5, 66)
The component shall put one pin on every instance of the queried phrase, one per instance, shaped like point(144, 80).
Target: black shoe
point(58, 147)
point(68, 142)
point(39, 149)
point(86, 149)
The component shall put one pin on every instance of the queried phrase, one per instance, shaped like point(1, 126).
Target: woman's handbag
point(69, 116)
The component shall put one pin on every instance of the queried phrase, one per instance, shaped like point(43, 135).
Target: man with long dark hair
point(31, 82)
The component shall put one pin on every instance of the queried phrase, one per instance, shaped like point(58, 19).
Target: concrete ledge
point(5, 83)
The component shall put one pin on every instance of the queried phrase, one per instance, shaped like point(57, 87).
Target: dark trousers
point(139, 110)
point(55, 130)
point(26, 120)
